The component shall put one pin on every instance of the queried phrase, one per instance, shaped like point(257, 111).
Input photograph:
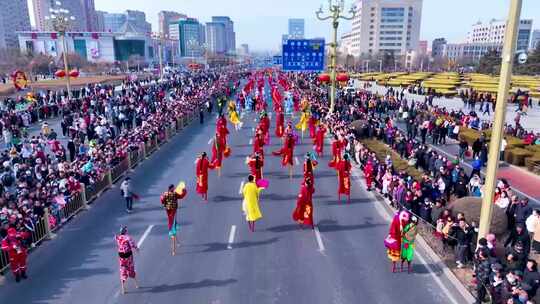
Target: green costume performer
point(408, 243)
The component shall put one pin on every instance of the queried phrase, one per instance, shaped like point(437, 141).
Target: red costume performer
point(221, 128)
point(303, 213)
point(319, 140)
point(309, 165)
point(368, 173)
point(218, 150)
point(280, 124)
point(337, 149)
point(287, 151)
point(344, 176)
point(258, 142)
point(393, 240)
point(201, 171)
point(256, 164)
point(312, 124)
point(16, 250)
point(264, 125)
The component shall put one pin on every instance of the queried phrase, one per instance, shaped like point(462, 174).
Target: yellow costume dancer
point(233, 115)
point(304, 118)
point(250, 204)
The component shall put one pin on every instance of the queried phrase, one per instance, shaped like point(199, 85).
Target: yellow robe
point(250, 204)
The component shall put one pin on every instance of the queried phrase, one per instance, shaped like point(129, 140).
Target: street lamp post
point(61, 20)
point(509, 48)
point(159, 37)
point(380, 66)
point(335, 12)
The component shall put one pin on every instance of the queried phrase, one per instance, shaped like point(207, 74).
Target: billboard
point(303, 55)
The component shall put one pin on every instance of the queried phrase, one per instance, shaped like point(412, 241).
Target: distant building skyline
point(14, 16)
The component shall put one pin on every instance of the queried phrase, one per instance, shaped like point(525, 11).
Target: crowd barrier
point(79, 201)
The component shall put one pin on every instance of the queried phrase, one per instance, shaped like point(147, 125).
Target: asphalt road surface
point(342, 261)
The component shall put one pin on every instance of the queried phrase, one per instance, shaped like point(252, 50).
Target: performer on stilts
point(319, 140)
point(14, 245)
point(201, 169)
point(256, 164)
point(303, 213)
point(286, 152)
point(344, 177)
point(126, 246)
point(264, 125)
point(368, 174)
point(309, 165)
point(393, 241)
point(337, 150)
point(169, 200)
point(233, 116)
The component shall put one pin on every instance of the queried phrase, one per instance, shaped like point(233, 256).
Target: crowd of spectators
point(100, 125)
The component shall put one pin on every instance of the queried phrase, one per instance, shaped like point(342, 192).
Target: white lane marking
point(436, 278)
point(195, 161)
point(251, 141)
point(241, 187)
point(296, 160)
point(210, 140)
point(253, 129)
point(231, 237)
point(319, 239)
point(145, 235)
point(385, 215)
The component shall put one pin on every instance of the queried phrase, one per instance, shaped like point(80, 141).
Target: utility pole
point(335, 13)
point(508, 54)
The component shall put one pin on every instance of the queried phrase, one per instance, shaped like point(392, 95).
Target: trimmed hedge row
point(381, 150)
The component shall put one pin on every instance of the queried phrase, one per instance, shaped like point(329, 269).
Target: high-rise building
point(244, 49)
point(230, 40)
point(437, 47)
point(14, 17)
point(216, 38)
point(345, 43)
point(138, 20)
point(100, 21)
point(166, 18)
point(113, 22)
point(382, 26)
point(76, 9)
point(89, 10)
point(422, 47)
point(189, 36)
point(535, 39)
point(493, 32)
point(296, 28)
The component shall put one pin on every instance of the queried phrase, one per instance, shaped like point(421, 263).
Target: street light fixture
point(335, 12)
point(61, 21)
point(160, 37)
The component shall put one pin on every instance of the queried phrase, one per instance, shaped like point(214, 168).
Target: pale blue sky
point(261, 23)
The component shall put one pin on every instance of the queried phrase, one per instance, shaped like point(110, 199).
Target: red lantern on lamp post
point(342, 78)
point(74, 73)
point(60, 74)
point(324, 78)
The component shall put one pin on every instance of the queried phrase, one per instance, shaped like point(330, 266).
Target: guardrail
point(80, 200)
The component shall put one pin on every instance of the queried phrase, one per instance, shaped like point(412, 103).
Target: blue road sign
point(303, 55)
point(278, 59)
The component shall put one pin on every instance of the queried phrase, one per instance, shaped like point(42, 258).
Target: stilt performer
point(368, 174)
point(233, 115)
point(393, 240)
point(304, 118)
point(303, 213)
point(264, 125)
point(126, 246)
point(14, 245)
point(337, 150)
point(309, 165)
point(169, 200)
point(201, 170)
point(344, 177)
point(319, 140)
point(286, 152)
point(256, 164)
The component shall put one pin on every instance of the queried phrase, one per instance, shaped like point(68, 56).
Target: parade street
point(343, 260)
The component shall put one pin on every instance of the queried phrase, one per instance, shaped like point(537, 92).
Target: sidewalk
point(522, 182)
